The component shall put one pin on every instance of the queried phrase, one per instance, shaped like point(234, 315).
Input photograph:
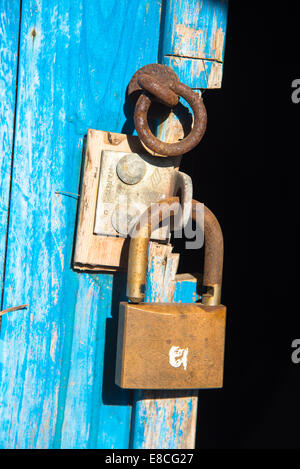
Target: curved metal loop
point(138, 250)
point(141, 123)
point(162, 93)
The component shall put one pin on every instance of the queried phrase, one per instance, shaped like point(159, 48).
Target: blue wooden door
point(65, 66)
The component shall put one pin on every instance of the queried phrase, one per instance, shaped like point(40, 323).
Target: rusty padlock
point(172, 345)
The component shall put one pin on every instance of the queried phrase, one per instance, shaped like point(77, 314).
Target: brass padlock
point(172, 346)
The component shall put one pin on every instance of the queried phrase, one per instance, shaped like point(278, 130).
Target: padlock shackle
point(138, 250)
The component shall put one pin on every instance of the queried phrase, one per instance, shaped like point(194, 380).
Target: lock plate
point(128, 184)
point(96, 252)
point(170, 346)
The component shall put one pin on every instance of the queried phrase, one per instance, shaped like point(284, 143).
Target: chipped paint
point(56, 106)
point(53, 345)
point(219, 44)
point(9, 21)
point(197, 73)
point(165, 419)
point(194, 36)
point(215, 75)
point(186, 40)
point(59, 396)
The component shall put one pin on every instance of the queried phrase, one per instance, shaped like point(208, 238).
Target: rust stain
point(59, 199)
point(88, 157)
point(164, 77)
point(113, 139)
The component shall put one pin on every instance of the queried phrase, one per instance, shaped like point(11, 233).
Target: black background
point(253, 127)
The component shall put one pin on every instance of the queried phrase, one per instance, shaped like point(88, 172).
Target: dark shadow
point(78, 201)
point(164, 394)
point(158, 113)
point(90, 269)
point(111, 393)
point(162, 31)
point(128, 109)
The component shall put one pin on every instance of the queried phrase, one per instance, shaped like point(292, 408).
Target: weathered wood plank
point(9, 33)
point(192, 43)
point(75, 66)
point(76, 59)
point(95, 408)
point(197, 73)
point(193, 40)
point(186, 286)
point(165, 419)
point(195, 28)
point(93, 251)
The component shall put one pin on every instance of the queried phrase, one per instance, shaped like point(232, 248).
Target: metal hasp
point(213, 259)
point(156, 82)
point(172, 346)
point(129, 183)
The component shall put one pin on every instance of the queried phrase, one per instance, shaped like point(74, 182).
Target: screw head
point(124, 218)
point(131, 169)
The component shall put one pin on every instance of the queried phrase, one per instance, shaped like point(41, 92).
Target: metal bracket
point(106, 175)
point(128, 184)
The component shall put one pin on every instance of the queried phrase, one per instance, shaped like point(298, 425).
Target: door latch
point(123, 176)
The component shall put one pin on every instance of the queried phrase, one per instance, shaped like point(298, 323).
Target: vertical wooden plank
point(165, 419)
point(9, 33)
point(192, 43)
point(186, 286)
point(193, 40)
point(94, 406)
point(76, 59)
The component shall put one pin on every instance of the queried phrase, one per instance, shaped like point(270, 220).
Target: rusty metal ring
point(177, 148)
point(160, 91)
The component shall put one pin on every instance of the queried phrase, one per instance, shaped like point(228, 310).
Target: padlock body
point(170, 346)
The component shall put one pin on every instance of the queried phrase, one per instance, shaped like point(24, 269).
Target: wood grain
point(56, 386)
point(92, 251)
point(76, 59)
point(199, 65)
point(193, 42)
point(96, 252)
point(165, 419)
point(9, 32)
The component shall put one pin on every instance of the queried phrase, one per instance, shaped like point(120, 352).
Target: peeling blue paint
point(73, 76)
point(56, 358)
